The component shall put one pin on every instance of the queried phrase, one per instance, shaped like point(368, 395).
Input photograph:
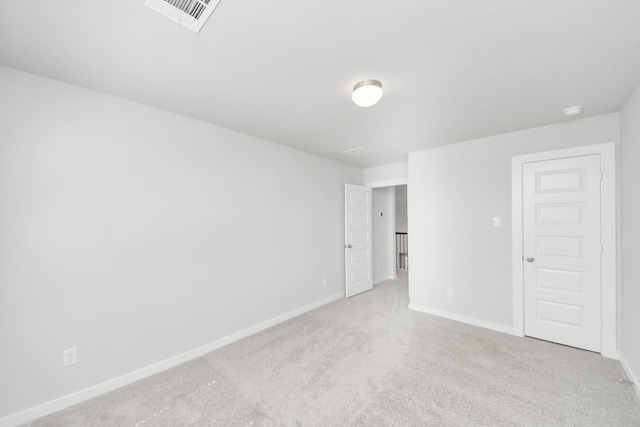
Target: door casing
point(609, 289)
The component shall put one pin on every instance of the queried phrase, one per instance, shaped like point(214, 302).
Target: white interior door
point(358, 263)
point(562, 250)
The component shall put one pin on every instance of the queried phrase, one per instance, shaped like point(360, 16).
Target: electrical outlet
point(324, 282)
point(450, 292)
point(69, 357)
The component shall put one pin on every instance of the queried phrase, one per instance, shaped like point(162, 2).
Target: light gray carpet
point(369, 361)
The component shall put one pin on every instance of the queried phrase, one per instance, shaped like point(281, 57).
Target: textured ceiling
point(283, 70)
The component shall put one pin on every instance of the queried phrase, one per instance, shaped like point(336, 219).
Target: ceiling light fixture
point(367, 92)
point(572, 111)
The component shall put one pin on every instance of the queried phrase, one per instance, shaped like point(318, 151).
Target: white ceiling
point(281, 70)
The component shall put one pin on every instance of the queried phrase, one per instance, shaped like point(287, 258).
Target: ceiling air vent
point(188, 13)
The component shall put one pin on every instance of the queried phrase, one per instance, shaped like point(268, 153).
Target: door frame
point(608, 209)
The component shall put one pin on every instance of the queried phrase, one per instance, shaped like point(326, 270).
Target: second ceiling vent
point(191, 14)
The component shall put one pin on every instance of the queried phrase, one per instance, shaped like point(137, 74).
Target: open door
point(358, 263)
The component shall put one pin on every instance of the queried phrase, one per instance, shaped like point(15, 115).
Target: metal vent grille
point(193, 8)
point(191, 14)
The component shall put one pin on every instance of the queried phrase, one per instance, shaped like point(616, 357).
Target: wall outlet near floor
point(69, 357)
point(324, 281)
point(450, 293)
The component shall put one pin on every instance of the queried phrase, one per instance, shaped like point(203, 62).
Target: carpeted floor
point(369, 361)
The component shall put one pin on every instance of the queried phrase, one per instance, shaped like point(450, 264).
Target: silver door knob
point(348, 246)
point(530, 259)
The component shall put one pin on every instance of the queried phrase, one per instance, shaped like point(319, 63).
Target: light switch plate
point(497, 222)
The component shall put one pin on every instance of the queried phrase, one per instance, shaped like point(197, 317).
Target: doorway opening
point(402, 232)
point(390, 233)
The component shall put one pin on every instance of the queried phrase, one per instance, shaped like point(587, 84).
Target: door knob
point(348, 246)
point(530, 259)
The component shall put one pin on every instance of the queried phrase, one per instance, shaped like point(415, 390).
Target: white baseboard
point(107, 386)
point(630, 374)
point(464, 319)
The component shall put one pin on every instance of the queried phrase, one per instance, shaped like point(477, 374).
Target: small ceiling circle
point(573, 111)
point(367, 92)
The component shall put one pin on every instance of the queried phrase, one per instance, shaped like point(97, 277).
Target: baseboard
point(630, 374)
point(107, 386)
point(464, 319)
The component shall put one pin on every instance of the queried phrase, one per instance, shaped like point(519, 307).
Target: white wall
point(137, 234)
point(386, 175)
point(383, 234)
point(454, 192)
point(630, 231)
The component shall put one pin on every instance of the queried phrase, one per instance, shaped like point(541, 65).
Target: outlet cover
point(69, 357)
point(450, 292)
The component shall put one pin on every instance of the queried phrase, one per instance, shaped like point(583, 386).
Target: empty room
point(279, 213)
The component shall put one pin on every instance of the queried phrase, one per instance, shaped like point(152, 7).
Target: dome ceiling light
point(367, 93)
point(572, 111)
